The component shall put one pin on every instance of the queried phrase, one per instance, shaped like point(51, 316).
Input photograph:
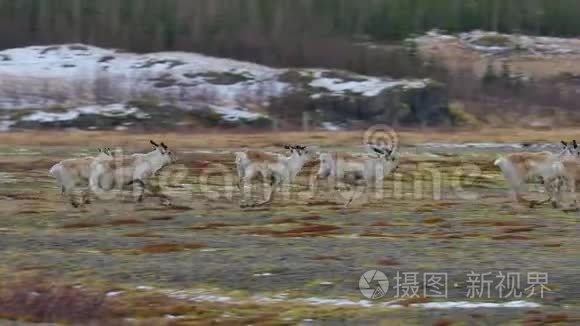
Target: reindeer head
point(570, 149)
point(385, 153)
point(300, 150)
point(168, 156)
point(105, 152)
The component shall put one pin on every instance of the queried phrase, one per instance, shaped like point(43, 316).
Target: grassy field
point(296, 261)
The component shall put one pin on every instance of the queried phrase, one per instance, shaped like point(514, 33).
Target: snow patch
point(52, 117)
point(206, 296)
point(113, 110)
point(367, 86)
point(331, 126)
point(235, 113)
point(475, 305)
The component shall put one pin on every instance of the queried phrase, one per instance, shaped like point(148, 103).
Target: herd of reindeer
point(107, 171)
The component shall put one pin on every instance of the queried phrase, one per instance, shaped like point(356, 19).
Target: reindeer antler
point(377, 150)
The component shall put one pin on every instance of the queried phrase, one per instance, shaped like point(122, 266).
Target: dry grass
point(125, 222)
point(510, 237)
point(144, 234)
point(38, 299)
point(308, 230)
point(162, 218)
point(35, 299)
point(433, 220)
point(80, 225)
point(311, 218)
point(133, 141)
point(163, 248)
point(210, 226)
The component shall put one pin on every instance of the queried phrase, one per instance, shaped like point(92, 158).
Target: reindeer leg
point(518, 198)
point(71, 198)
point(244, 184)
point(141, 186)
point(314, 185)
point(274, 183)
point(354, 195)
point(157, 192)
point(565, 185)
point(72, 201)
point(240, 178)
point(68, 191)
point(549, 186)
point(86, 199)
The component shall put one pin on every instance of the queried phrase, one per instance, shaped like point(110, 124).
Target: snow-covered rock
point(233, 114)
point(488, 42)
point(59, 84)
point(113, 110)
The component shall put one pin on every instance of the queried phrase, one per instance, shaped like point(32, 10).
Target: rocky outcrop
point(93, 88)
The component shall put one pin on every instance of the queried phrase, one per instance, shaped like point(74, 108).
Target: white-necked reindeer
point(567, 176)
point(74, 172)
point(274, 169)
point(519, 168)
point(130, 170)
point(356, 170)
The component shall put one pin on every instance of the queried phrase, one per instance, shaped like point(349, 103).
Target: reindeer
point(518, 168)
point(274, 168)
point(130, 170)
point(73, 172)
point(356, 170)
point(567, 176)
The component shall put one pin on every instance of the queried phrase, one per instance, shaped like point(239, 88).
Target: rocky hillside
point(93, 88)
point(535, 57)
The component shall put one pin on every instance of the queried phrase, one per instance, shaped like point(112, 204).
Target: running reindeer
point(275, 169)
point(519, 168)
point(74, 172)
point(135, 169)
point(357, 170)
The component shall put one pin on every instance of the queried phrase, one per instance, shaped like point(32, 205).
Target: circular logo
point(373, 284)
point(382, 136)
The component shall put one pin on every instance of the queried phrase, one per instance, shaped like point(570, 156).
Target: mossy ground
point(300, 246)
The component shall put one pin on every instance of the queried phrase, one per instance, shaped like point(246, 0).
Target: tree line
point(278, 32)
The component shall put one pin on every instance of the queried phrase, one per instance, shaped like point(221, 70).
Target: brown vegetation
point(162, 248)
point(125, 222)
point(80, 225)
point(140, 142)
point(210, 226)
point(308, 230)
point(34, 299)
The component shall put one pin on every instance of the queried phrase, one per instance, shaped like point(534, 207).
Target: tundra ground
point(298, 260)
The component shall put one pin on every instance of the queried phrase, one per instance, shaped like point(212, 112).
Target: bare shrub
point(36, 299)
